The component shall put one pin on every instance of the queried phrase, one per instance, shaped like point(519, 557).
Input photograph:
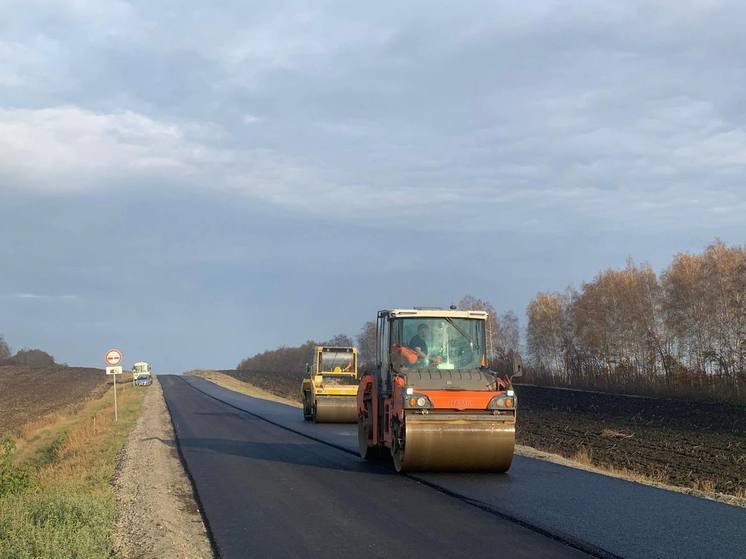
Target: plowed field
point(27, 394)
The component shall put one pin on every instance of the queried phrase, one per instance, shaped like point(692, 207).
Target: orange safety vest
point(407, 353)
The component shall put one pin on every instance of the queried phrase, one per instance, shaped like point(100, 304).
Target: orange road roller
point(432, 402)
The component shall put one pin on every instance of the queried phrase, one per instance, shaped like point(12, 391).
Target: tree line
point(33, 358)
point(503, 334)
point(681, 332)
point(289, 359)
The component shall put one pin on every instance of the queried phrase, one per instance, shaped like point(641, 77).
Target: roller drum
point(455, 443)
point(336, 409)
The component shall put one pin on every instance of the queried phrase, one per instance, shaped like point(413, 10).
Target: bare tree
point(502, 331)
point(340, 340)
point(705, 309)
point(366, 343)
point(545, 333)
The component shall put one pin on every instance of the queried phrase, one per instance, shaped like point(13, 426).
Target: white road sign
point(113, 357)
point(114, 370)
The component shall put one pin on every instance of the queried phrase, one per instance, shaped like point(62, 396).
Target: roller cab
point(432, 403)
point(329, 390)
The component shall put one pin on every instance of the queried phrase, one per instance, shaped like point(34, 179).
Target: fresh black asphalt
point(272, 485)
point(268, 492)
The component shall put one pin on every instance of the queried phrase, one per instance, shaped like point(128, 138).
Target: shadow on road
point(302, 454)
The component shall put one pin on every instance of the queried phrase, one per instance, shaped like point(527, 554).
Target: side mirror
point(517, 365)
point(308, 367)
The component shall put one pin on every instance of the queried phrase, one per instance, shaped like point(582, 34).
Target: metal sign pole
point(116, 416)
point(113, 358)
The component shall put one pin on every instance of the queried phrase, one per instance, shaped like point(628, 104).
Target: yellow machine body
point(329, 390)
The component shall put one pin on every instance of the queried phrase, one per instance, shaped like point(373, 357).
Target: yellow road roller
point(432, 402)
point(329, 390)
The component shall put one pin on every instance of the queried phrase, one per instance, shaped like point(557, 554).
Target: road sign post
point(113, 358)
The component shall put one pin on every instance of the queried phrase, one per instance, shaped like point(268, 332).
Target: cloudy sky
point(195, 182)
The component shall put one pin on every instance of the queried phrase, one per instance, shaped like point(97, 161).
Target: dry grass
point(69, 510)
point(232, 383)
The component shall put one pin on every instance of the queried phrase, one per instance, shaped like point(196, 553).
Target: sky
point(196, 182)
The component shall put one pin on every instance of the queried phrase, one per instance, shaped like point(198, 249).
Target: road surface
point(271, 484)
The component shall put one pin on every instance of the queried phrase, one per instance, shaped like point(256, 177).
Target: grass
point(67, 508)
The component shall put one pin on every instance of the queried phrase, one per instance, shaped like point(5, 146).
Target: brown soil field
point(28, 394)
point(688, 444)
point(682, 443)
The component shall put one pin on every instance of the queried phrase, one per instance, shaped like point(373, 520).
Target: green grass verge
point(64, 505)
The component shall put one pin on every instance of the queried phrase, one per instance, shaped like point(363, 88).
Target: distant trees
point(282, 359)
point(340, 340)
point(4, 349)
point(704, 306)
point(33, 358)
point(502, 329)
point(366, 343)
point(547, 333)
point(632, 329)
point(503, 333)
point(290, 359)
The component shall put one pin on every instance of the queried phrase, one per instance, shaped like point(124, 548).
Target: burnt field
point(688, 444)
point(27, 394)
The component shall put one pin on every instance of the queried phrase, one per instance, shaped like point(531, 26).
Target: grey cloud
point(219, 147)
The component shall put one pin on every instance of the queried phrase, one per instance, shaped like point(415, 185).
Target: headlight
point(502, 403)
point(414, 400)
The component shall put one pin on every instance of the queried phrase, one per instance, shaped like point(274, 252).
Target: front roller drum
point(448, 443)
point(335, 409)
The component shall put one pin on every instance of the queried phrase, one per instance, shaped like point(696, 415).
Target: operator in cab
point(419, 341)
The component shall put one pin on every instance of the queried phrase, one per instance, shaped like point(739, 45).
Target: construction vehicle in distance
point(432, 402)
point(141, 374)
point(329, 390)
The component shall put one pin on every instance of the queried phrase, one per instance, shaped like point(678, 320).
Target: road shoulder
point(157, 513)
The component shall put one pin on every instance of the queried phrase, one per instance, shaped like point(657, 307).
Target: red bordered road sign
point(113, 357)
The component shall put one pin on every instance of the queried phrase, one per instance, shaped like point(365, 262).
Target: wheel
point(397, 445)
point(363, 436)
point(307, 407)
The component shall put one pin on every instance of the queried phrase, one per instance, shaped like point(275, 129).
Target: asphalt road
point(271, 484)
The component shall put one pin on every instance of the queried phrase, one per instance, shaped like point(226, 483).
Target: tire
point(367, 452)
point(307, 406)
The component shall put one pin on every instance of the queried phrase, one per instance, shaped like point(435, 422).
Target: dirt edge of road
point(158, 514)
point(530, 452)
point(231, 383)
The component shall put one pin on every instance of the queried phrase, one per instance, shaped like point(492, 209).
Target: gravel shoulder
point(157, 511)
